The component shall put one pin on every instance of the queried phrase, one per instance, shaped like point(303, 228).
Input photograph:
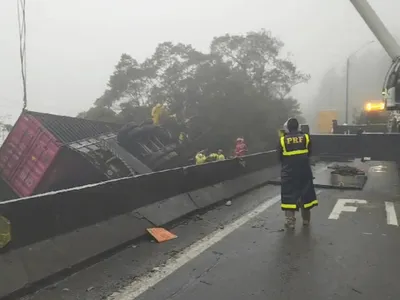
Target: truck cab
point(391, 87)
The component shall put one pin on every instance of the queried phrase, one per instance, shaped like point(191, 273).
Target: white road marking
point(378, 169)
point(142, 284)
point(147, 281)
point(391, 216)
point(340, 206)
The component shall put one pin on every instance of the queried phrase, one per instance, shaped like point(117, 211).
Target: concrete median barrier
point(339, 147)
point(208, 196)
point(336, 145)
point(231, 188)
point(37, 262)
point(62, 231)
point(165, 211)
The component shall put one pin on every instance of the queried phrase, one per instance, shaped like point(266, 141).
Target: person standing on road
point(297, 187)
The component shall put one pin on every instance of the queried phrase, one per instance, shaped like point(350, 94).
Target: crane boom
point(378, 28)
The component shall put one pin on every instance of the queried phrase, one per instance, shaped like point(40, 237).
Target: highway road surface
point(351, 251)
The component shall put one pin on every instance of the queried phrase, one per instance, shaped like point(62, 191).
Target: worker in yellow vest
point(220, 155)
point(183, 137)
point(156, 113)
point(200, 158)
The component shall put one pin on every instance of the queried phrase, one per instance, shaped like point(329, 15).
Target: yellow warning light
point(377, 106)
point(5, 232)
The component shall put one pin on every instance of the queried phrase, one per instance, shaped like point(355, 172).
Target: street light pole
point(347, 89)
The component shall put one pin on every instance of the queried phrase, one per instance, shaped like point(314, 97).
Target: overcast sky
point(73, 45)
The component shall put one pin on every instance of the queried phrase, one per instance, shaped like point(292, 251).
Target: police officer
point(297, 188)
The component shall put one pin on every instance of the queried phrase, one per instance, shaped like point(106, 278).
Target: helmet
point(238, 140)
point(291, 124)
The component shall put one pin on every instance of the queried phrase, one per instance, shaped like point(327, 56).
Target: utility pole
point(347, 90)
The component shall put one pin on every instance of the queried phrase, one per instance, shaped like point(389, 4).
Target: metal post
point(347, 90)
point(377, 27)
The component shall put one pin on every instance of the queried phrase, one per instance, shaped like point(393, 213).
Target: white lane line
point(391, 216)
point(147, 281)
point(142, 284)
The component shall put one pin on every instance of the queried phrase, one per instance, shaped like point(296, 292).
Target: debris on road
point(345, 176)
point(346, 170)
point(228, 203)
point(161, 235)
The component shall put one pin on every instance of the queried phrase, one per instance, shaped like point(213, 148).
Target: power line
point(22, 46)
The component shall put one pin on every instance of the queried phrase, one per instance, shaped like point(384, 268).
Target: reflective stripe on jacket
point(295, 144)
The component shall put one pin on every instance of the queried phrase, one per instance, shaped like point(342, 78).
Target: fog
point(366, 73)
point(72, 46)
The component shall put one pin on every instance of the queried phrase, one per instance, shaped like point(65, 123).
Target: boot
point(306, 216)
point(290, 219)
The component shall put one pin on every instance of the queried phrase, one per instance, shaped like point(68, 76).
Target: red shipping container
point(26, 155)
point(35, 141)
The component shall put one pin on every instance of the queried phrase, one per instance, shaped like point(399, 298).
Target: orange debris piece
point(161, 235)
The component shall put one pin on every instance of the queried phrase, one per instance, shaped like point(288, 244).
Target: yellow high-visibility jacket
point(156, 113)
point(200, 158)
point(221, 157)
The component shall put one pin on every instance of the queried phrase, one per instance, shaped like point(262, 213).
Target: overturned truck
point(46, 152)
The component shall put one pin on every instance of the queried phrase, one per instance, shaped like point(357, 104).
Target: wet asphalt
point(352, 256)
